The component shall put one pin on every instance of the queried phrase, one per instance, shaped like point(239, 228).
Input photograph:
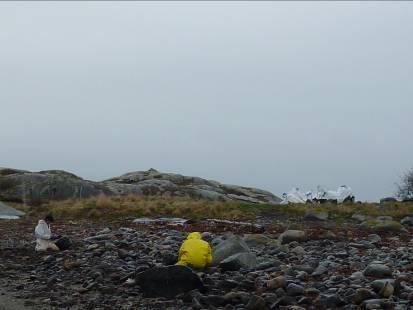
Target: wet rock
point(378, 271)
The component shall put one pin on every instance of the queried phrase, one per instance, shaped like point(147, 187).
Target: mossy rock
point(382, 226)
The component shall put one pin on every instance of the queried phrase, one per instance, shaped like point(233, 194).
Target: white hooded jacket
point(43, 235)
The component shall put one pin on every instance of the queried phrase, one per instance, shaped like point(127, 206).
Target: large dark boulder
point(168, 281)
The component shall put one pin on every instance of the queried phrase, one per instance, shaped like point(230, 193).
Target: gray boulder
point(229, 247)
point(237, 261)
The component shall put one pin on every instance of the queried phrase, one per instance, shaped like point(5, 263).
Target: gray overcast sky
point(271, 95)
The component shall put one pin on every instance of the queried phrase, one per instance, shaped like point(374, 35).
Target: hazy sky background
point(271, 95)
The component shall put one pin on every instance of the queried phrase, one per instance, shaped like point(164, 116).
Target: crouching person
point(44, 238)
point(195, 252)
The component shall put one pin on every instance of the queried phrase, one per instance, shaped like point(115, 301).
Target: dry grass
point(116, 207)
point(396, 210)
point(104, 207)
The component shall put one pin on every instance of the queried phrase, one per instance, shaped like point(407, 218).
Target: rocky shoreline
point(320, 267)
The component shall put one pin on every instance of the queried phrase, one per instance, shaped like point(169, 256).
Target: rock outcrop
point(153, 182)
point(31, 187)
point(34, 187)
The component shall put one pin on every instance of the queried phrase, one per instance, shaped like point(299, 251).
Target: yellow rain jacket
point(195, 252)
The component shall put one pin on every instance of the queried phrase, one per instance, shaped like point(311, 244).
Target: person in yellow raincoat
point(195, 252)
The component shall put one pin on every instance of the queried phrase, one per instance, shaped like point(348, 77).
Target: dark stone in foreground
point(168, 281)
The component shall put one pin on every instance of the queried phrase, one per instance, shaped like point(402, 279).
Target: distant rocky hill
point(34, 187)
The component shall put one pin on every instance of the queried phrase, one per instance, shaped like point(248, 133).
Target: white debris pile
point(342, 194)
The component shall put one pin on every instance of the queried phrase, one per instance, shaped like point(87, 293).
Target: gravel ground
point(329, 268)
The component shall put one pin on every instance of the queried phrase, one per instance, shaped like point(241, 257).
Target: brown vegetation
point(117, 207)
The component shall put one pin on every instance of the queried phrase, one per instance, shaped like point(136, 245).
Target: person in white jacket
point(44, 235)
